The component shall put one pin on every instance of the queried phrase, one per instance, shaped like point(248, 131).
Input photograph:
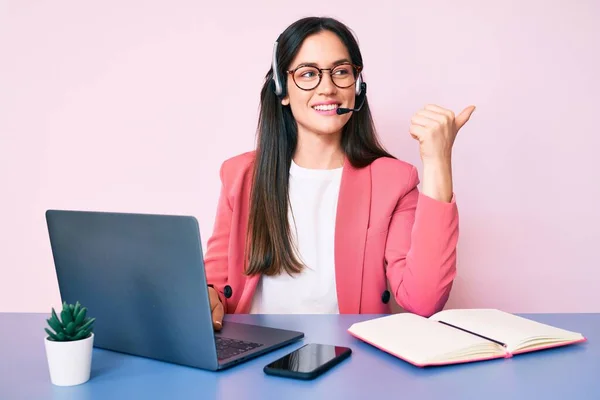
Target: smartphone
point(308, 362)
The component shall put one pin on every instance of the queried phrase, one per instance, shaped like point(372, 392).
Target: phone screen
point(309, 358)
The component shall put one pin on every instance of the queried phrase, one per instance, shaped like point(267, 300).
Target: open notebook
point(459, 336)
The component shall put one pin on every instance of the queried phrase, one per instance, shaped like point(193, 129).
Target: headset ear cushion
point(281, 93)
point(273, 86)
point(358, 85)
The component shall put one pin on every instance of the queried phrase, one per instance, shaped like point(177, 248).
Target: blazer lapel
point(352, 219)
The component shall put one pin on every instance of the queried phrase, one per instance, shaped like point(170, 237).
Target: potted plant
point(69, 345)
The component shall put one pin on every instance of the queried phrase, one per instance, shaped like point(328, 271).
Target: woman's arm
point(421, 250)
point(423, 235)
point(437, 180)
point(216, 257)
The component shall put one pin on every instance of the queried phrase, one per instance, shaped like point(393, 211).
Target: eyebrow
point(312, 64)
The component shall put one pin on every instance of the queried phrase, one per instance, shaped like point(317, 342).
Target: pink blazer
point(386, 230)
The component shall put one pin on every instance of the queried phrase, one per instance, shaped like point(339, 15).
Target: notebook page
point(415, 338)
point(502, 326)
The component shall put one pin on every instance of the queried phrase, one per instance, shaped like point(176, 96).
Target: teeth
point(328, 107)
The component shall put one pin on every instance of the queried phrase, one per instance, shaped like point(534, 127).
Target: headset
point(278, 88)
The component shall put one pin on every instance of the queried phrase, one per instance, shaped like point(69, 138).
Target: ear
point(285, 101)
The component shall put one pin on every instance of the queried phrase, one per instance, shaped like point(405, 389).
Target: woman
point(320, 218)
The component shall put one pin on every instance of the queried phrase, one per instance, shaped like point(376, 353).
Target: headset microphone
point(363, 95)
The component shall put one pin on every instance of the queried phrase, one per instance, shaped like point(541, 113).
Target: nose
point(326, 86)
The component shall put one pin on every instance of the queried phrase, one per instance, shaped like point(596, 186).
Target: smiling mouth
point(326, 107)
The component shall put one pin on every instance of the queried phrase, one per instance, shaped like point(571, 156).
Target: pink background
point(132, 105)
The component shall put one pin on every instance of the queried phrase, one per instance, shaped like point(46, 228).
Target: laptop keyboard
point(232, 347)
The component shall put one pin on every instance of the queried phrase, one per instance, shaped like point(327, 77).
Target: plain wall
point(132, 105)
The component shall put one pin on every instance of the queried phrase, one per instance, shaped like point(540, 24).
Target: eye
point(342, 70)
point(307, 73)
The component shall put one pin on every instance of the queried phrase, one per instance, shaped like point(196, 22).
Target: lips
point(326, 107)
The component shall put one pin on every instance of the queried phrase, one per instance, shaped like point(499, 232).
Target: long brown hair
point(269, 247)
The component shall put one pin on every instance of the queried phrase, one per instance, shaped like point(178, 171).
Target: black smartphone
point(308, 362)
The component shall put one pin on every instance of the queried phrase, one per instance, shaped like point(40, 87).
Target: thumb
point(216, 309)
point(217, 316)
point(464, 116)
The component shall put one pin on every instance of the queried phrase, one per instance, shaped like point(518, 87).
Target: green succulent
point(74, 325)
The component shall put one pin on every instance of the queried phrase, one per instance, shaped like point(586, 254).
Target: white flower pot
point(69, 362)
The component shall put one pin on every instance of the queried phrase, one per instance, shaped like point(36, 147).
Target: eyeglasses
point(308, 77)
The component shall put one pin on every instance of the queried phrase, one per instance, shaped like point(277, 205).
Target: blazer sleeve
point(421, 250)
point(216, 257)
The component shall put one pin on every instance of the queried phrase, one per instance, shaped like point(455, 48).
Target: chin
point(326, 131)
point(332, 128)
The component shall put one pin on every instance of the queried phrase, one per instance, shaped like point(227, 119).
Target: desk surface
point(571, 372)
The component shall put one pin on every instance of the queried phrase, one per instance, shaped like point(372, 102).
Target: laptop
point(142, 277)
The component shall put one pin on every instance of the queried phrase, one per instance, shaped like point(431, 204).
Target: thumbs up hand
point(436, 128)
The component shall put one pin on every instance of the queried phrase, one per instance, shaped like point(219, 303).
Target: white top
point(313, 205)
